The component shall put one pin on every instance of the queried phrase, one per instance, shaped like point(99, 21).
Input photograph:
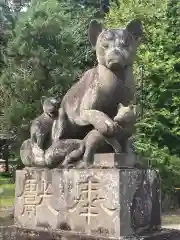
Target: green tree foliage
point(36, 59)
point(78, 21)
point(157, 66)
point(6, 25)
point(47, 52)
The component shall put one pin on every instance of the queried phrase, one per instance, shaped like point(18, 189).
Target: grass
point(6, 200)
point(7, 196)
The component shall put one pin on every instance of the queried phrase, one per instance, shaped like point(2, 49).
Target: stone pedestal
point(107, 202)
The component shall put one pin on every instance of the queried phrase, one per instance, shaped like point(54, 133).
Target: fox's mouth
point(53, 113)
point(116, 61)
point(113, 64)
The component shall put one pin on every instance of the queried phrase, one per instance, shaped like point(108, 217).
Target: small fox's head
point(51, 106)
point(125, 114)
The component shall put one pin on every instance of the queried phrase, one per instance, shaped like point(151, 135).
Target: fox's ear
point(95, 28)
point(135, 28)
point(120, 105)
point(58, 98)
point(131, 106)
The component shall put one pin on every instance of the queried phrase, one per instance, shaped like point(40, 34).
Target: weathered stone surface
point(12, 232)
point(101, 202)
point(97, 110)
point(118, 160)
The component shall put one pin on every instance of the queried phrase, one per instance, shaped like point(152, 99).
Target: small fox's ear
point(131, 106)
point(57, 97)
point(120, 105)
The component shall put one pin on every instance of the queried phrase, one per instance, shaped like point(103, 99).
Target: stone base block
point(118, 160)
point(101, 202)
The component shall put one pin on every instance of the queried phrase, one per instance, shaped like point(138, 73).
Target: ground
point(171, 219)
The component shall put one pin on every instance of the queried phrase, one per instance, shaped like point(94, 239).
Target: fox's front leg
point(93, 141)
point(101, 122)
point(59, 126)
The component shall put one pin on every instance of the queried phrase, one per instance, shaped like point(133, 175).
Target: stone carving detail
point(42, 125)
point(96, 114)
point(89, 202)
point(86, 200)
point(107, 195)
point(34, 193)
point(30, 197)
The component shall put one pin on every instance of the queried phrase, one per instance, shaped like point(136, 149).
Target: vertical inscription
point(30, 196)
point(44, 189)
point(34, 193)
point(89, 197)
point(88, 203)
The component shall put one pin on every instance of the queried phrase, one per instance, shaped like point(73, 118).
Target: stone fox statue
point(89, 107)
point(125, 120)
point(65, 152)
point(92, 102)
point(42, 126)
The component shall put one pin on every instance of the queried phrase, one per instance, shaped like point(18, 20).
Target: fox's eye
point(109, 36)
point(124, 42)
point(129, 39)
